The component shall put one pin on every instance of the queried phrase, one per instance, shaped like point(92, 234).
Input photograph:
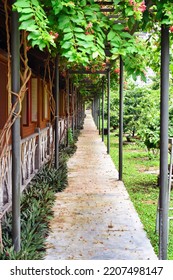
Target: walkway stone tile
point(94, 219)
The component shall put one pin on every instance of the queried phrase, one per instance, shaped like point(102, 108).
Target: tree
point(132, 108)
point(149, 122)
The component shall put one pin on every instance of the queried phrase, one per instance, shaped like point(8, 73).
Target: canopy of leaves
point(80, 32)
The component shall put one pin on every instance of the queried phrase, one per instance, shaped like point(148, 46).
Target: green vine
point(33, 19)
point(79, 31)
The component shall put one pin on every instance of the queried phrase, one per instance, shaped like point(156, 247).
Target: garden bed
point(36, 211)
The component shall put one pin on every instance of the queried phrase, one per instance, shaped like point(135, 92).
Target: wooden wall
point(35, 106)
point(3, 90)
point(38, 108)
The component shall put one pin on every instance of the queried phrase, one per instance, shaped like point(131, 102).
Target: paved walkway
point(94, 218)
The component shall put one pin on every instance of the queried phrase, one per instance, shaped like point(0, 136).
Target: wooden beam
point(104, 3)
point(87, 72)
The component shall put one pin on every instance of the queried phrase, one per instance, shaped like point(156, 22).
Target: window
point(45, 102)
point(3, 94)
point(25, 108)
point(34, 100)
point(29, 103)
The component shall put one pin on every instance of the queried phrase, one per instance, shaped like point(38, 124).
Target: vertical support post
point(83, 110)
point(108, 111)
point(80, 110)
point(93, 112)
point(73, 109)
point(68, 95)
point(121, 121)
point(75, 105)
point(77, 110)
point(99, 115)
point(164, 116)
point(96, 110)
point(16, 157)
point(103, 117)
point(91, 106)
point(56, 113)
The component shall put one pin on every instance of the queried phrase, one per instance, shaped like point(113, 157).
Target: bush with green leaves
point(149, 125)
point(142, 114)
point(70, 137)
point(114, 111)
point(36, 212)
point(132, 108)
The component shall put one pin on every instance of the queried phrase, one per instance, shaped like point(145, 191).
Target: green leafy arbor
point(79, 31)
point(92, 35)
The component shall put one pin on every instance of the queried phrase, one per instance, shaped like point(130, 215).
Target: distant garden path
point(94, 218)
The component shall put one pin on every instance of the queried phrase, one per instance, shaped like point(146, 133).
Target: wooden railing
point(62, 129)
point(5, 180)
point(28, 157)
point(36, 150)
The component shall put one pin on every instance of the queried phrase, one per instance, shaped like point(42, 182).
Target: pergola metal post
point(108, 111)
point(76, 110)
point(96, 115)
point(93, 109)
point(83, 109)
point(68, 103)
point(99, 116)
point(121, 121)
point(16, 154)
point(103, 110)
point(164, 117)
point(73, 109)
point(79, 110)
point(56, 113)
point(81, 106)
point(96, 111)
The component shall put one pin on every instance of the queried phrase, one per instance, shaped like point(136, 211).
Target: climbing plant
point(79, 31)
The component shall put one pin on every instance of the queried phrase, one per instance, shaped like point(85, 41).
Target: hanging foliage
point(80, 32)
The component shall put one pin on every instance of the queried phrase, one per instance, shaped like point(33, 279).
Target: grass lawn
point(140, 175)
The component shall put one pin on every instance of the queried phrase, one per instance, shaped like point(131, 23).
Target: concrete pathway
point(94, 218)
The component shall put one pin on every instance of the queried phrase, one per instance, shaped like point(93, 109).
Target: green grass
point(142, 186)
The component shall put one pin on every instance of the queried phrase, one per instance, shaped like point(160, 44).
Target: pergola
point(164, 94)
